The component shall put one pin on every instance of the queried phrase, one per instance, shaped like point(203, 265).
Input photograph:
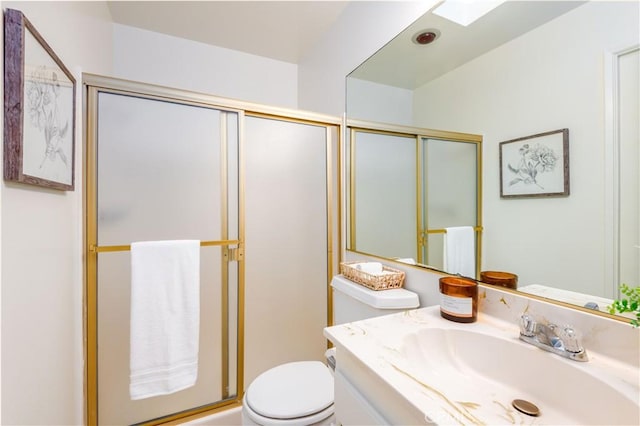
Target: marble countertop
point(380, 345)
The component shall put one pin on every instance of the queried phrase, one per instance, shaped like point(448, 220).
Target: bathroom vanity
point(416, 367)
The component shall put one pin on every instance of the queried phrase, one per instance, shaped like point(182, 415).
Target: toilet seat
point(290, 392)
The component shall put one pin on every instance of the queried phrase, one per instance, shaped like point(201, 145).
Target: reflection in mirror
point(383, 176)
point(450, 196)
point(525, 68)
point(407, 186)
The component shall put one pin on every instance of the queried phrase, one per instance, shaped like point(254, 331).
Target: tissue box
point(390, 278)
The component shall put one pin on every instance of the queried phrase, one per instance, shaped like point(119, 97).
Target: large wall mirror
point(526, 68)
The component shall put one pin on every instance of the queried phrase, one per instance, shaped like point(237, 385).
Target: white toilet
point(301, 393)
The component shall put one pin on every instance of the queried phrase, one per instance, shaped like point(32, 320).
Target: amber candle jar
point(459, 299)
point(504, 279)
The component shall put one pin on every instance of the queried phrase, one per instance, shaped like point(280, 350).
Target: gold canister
point(459, 299)
point(504, 279)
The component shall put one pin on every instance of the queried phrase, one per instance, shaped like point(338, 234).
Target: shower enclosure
point(255, 185)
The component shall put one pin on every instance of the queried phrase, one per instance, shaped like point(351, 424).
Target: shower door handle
point(233, 254)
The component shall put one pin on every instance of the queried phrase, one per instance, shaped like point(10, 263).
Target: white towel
point(407, 260)
point(460, 251)
point(373, 268)
point(165, 317)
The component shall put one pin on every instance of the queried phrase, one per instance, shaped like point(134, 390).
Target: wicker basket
point(393, 279)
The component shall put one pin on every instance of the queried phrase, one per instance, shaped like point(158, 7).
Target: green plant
point(629, 304)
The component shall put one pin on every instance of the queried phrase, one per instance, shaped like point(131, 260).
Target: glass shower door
point(164, 171)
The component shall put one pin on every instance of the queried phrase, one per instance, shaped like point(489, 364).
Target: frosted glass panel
point(233, 233)
point(385, 195)
point(233, 161)
point(115, 406)
point(159, 171)
point(451, 190)
point(286, 243)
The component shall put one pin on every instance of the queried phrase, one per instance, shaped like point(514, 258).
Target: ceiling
point(282, 30)
point(286, 30)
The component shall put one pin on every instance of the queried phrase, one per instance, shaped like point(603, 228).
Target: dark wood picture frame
point(535, 166)
point(39, 109)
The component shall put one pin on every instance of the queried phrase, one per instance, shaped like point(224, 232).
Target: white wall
point(547, 79)
point(156, 58)
point(392, 104)
point(42, 346)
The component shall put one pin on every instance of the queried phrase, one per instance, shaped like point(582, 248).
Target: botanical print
point(48, 117)
point(39, 109)
point(532, 160)
point(42, 104)
point(535, 165)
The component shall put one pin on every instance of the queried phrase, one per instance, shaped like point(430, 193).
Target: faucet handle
point(569, 338)
point(527, 325)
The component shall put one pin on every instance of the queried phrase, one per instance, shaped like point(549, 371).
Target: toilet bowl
point(301, 393)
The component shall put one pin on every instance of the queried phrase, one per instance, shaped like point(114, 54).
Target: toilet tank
point(354, 302)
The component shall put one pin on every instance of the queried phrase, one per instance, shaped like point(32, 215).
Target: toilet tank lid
point(396, 298)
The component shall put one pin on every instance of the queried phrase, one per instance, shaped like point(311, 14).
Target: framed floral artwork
point(535, 166)
point(39, 109)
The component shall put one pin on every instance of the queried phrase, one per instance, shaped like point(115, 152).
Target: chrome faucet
point(560, 340)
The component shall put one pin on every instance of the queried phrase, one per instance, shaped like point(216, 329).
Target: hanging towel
point(165, 317)
point(460, 251)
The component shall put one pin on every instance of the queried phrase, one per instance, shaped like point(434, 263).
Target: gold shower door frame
point(423, 230)
point(233, 250)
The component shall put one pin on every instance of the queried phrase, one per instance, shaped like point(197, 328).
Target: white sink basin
point(477, 376)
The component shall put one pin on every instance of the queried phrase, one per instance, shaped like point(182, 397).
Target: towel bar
point(444, 231)
point(103, 249)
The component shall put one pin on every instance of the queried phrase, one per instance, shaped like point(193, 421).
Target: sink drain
point(526, 407)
